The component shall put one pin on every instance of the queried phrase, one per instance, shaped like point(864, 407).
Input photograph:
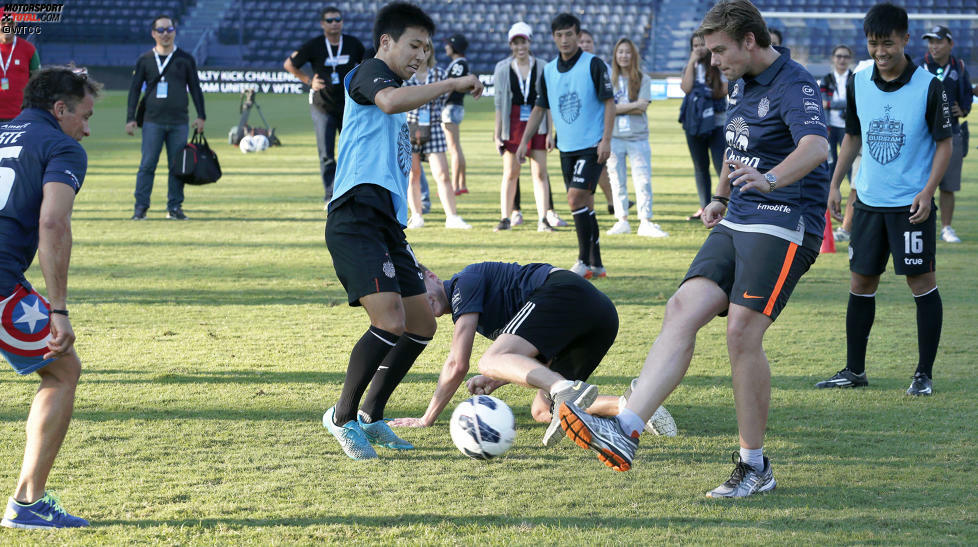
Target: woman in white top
point(630, 139)
point(433, 149)
point(516, 82)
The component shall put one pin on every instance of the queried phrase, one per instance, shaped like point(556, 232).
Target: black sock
point(582, 225)
point(595, 253)
point(390, 373)
point(366, 356)
point(859, 321)
point(930, 318)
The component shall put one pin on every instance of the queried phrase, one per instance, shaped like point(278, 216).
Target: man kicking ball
point(550, 328)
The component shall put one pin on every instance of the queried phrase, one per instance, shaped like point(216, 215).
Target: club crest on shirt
point(808, 90)
point(885, 137)
point(570, 106)
point(763, 107)
point(737, 134)
point(388, 267)
point(404, 150)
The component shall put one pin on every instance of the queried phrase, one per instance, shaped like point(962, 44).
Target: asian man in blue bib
point(366, 220)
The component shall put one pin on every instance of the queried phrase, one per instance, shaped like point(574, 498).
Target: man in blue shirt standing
point(42, 167)
point(584, 106)
point(899, 114)
point(366, 220)
point(773, 185)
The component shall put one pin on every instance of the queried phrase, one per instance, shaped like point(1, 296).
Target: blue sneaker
point(43, 513)
point(381, 434)
point(350, 436)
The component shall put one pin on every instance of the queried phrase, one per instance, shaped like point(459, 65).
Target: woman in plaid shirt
point(432, 150)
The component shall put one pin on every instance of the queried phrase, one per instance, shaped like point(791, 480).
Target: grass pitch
point(212, 347)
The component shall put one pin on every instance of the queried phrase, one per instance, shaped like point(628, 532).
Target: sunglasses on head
point(333, 19)
point(165, 30)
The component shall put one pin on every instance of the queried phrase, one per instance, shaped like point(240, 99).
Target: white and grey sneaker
point(581, 394)
point(603, 435)
point(745, 480)
point(415, 222)
point(948, 234)
point(455, 222)
point(841, 235)
point(554, 220)
point(580, 268)
point(661, 423)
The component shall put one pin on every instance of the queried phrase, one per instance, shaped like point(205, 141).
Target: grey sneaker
point(603, 435)
point(176, 214)
point(580, 269)
point(581, 394)
point(139, 213)
point(745, 480)
point(921, 385)
point(661, 423)
point(352, 439)
point(844, 378)
point(381, 434)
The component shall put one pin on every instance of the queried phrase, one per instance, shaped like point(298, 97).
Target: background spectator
point(331, 57)
point(18, 61)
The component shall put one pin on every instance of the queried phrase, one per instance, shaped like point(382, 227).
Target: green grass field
point(212, 347)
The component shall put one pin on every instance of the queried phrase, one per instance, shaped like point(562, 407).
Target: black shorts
point(757, 271)
point(370, 252)
point(569, 321)
point(878, 234)
point(581, 169)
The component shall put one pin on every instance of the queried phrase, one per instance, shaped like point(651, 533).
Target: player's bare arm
point(54, 254)
point(851, 144)
point(714, 211)
point(452, 373)
point(395, 100)
point(920, 208)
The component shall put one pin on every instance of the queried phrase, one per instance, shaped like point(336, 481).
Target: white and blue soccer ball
point(260, 142)
point(483, 427)
point(247, 144)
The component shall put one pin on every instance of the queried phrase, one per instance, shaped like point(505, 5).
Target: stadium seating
point(261, 33)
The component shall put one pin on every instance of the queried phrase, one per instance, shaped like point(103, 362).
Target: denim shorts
point(452, 113)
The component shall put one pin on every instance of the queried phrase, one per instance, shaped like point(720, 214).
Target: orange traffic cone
point(828, 239)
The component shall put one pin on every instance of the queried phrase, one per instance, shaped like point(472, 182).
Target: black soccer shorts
point(757, 271)
point(581, 169)
point(876, 235)
point(371, 253)
point(569, 321)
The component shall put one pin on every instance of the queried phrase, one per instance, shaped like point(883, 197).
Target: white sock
point(559, 386)
point(630, 423)
point(753, 457)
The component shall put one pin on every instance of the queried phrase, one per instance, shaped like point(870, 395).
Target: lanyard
point(524, 85)
point(329, 51)
point(5, 64)
point(161, 66)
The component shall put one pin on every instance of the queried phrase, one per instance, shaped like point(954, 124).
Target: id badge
point(424, 117)
point(161, 89)
point(335, 78)
point(525, 110)
point(624, 124)
point(4, 84)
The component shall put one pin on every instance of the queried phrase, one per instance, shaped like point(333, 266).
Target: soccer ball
point(483, 427)
point(260, 142)
point(247, 144)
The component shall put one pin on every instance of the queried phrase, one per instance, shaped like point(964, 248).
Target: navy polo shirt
point(494, 290)
point(33, 152)
point(768, 114)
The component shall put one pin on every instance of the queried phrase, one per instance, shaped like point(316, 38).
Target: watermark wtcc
point(23, 18)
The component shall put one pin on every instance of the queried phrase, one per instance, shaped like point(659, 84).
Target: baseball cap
point(520, 29)
point(940, 32)
point(458, 43)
